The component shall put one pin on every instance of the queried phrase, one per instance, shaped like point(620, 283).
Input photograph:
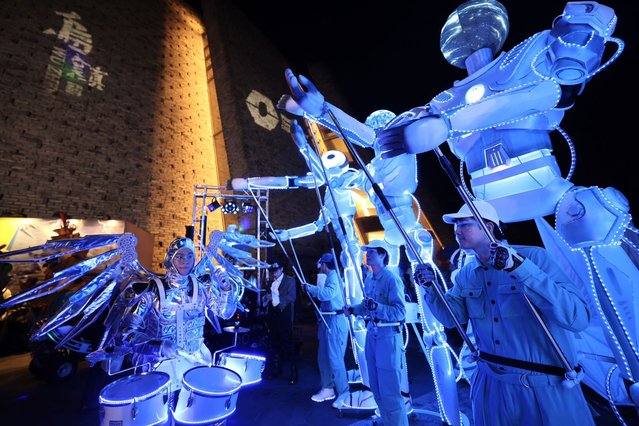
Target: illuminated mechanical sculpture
point(154, 322)
point(498, 122)
point(338, 209)
point(398, 178)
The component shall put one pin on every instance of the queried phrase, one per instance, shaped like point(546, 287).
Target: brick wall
point(132, 145)
point(130, 150)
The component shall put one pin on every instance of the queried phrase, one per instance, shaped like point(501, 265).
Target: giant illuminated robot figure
point(338, 209)
point(498, 122)
point(398, 178)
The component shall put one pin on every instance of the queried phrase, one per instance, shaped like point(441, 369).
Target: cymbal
point(236, 329)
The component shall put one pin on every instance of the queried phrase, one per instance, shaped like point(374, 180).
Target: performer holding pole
point(493, 291)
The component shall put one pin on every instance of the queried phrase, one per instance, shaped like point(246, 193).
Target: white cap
point(485, 209)
point(376, 244)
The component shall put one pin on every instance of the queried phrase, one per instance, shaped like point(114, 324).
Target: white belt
point(386, 324)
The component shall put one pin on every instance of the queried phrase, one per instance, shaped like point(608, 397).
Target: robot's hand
point(392, 141)
point(370, 304)
point(424, 275)
point(304, 93)
point(282, 234)
point(504, 257)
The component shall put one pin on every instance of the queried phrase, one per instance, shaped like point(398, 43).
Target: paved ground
point(25, 400)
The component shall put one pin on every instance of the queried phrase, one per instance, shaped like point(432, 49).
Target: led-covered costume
point(155, 320)
point(498, 122)
point(165, 326)
point(397, 179)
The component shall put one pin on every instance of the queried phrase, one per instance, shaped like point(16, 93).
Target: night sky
point(389, 58)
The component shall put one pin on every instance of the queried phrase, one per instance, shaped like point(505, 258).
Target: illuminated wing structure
point(112, 272)
point(118, 265)
point(233, 243)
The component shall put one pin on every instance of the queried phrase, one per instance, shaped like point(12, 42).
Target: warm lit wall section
point(187, 151)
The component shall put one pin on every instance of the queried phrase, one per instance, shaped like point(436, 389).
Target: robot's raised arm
point(316, 176)
point(527, 88)
point(302, 231)
point(356, 131)
point(306, 101)
point(264, 182)
point(275, 182)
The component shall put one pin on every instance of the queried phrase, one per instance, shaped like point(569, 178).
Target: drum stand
point(235, 330)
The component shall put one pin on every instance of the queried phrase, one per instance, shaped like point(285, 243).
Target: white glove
point(504, 257)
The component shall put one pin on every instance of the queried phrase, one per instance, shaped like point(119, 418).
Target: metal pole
point(339, 216)
point(409, 242)
point(457, 183)
point(297, 273)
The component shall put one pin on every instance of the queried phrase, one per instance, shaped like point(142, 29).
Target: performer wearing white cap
point(519, 376)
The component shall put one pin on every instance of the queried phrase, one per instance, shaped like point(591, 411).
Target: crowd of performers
point(524, 305)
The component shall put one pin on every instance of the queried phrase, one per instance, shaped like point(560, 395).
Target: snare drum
point(208, 394)
point(140, 399)
point(249, 367)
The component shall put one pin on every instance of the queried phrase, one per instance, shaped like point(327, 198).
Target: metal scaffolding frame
point(204, 195)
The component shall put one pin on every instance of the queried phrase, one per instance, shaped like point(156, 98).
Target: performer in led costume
point(498, 122)
point(164, 328)
point(157, 320)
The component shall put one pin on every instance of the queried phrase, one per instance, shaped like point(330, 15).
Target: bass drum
point(140, 399)
point(208, 395)
point(249, 367)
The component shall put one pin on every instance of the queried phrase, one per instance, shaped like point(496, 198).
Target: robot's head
point(474, 25)
point(180, 257)
point(335, 162)
point(379, 119)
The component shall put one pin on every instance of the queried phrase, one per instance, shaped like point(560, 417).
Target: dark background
point(387, 57)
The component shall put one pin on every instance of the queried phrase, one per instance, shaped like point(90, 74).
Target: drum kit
point(208, 395)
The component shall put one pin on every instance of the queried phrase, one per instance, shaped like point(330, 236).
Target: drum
point(208, 394)
point(249, 367)
point(140, 399)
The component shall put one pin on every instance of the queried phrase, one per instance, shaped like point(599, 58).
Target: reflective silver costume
point(165, 327)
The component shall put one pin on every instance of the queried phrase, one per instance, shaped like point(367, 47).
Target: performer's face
point(277, 272)
point(469, 233)
point(374, 258)
point(183, 261)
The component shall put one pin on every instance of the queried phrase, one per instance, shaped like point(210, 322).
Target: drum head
point(212, 380)
point(137, 386)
